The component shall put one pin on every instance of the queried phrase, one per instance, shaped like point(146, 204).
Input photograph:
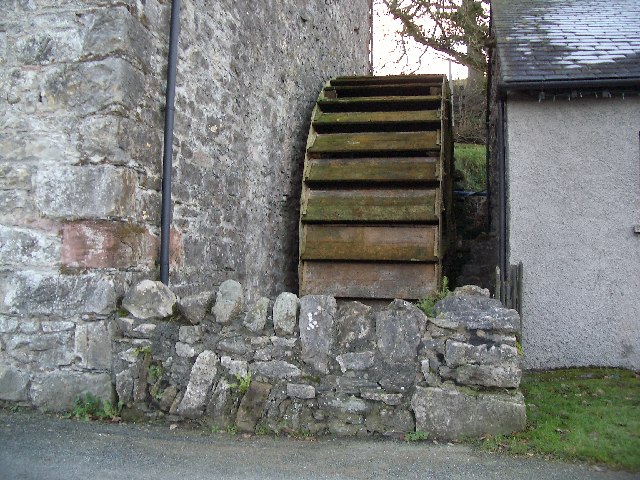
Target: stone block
point(235, 345)
point(458, 353)
point(376, 395)
point(275, 369)
point(58, 390)
point(229, 302)
point(124, 386)
point(195, 307)
point(285, 313)
point(115, 30)
point(251, 406)
point(190, 335)
point(399, 328)
point(256, 318)
point(85, 192)
point(343, 403)
point(186, 350)
point(201, 380)
point(474, 312)
point(93, 345)
point(50, 350)
point(38, 293)
point(472, 290)
point(502, 376)
point(355, 327)
point(149, 299)
point(14, 176)
point(8, 324)
point(317, 314)
point(235, 367)
point(348, 384)
point(25, 247)
point(14, 383)
point(355, 361)
point(103, 244)
point(297, 390)
point(452, 414)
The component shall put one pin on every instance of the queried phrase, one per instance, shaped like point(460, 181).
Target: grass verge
point(471, 161)
point(591, 415)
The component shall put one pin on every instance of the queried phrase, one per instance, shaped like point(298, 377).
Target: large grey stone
point(458, 353)
point(452, 414)
point(13, 383)
point(356, 327)
point(85, 192)
point(235, 367)
point(190, 335)
point(21, 246)
point(343, 403)
point(475, 312)
point(507, 375)
point(201, 379)
point(380, 396)
point(229, 302)
point(38, 293)
point(276, 369)
point(149, 299)
point(124, 386)
point(297, 390)
point(317, 314)
point(93, 345)
point(47, 350)
point(355, 361)
point(251, 406)
point(285, 313)
point(195, 307)
point(398, 331)
point(256, 318)
point(234, 344)
point(58, 390)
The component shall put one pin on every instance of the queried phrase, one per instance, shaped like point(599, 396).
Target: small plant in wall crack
point(428, 303)
point(416, 436)
point(243, 383)
point(90, 407)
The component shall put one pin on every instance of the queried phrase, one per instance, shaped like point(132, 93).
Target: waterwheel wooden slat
point(376, 195)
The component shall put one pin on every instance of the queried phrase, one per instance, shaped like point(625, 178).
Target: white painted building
point(565, 77)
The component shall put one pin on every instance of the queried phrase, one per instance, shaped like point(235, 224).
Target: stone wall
point(311, 366)
point(249, 74)
point(80, 142)
point(82, 95)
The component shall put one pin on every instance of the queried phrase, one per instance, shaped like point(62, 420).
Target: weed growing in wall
point(428, 303)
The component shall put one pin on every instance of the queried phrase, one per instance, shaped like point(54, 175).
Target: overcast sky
point(386, 53)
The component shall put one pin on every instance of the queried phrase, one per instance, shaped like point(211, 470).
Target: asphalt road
point(35, 446)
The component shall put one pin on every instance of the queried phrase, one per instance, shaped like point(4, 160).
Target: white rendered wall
point(573, 200)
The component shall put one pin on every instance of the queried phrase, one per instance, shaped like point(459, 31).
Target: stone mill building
point(82, 95)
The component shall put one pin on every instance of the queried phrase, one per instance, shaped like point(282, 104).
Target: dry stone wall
point(310, 365)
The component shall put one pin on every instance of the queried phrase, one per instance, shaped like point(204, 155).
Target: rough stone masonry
point(311, 366)
point(82, 101)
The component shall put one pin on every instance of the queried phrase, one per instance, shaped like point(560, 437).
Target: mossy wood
point(377, 191)
point(373, 170)
point(371, 205)
point(418, 243)
point(370, 280)
point(376, 142)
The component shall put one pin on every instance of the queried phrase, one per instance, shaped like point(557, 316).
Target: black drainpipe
point(165, 222)
point(502, 209)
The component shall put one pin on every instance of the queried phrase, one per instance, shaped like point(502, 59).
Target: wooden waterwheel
point(377, 192)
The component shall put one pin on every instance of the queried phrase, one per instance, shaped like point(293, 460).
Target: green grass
point(590, 415)
point(471, 161)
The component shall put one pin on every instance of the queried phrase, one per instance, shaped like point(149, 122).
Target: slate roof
point(572, 41)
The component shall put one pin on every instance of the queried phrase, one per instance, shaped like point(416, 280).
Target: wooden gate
point(376, 194)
